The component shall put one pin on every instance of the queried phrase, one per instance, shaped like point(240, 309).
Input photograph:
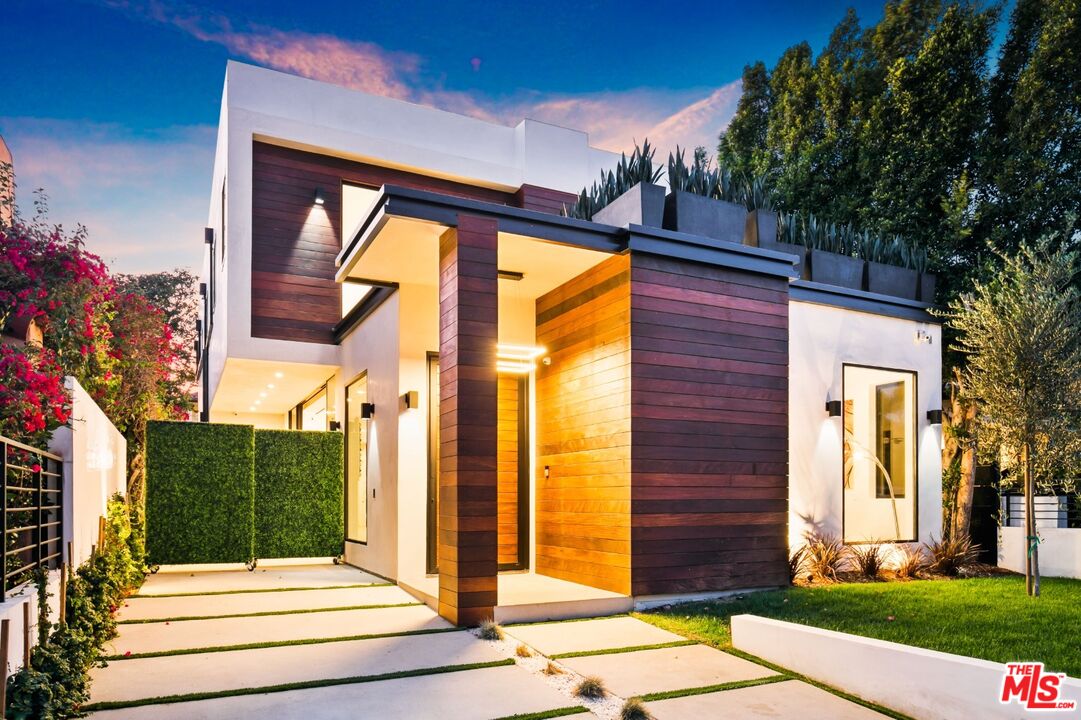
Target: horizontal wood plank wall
point(295, 241)
point(542, 199)
point(583, 429)
point(507, 465)
point(709, 406)
point(468, 321)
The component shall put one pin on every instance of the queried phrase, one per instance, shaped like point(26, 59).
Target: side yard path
point(301, 643)
point(315, 642)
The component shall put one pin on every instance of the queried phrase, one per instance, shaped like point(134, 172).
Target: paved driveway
point(314, 642)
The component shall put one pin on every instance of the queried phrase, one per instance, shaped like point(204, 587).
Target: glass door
point(356, 461)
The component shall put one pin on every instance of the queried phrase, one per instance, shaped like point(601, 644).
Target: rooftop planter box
point(643, 204)
point(892, 280)
point(926, 288)
point(760, 231)
point(700, 215)
point(836, 269)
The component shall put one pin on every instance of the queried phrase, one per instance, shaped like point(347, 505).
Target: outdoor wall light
point(335, 426)
point(319, 198)
point(367, 411)
point(411, 399)
point(833, 408)
point(934, 417)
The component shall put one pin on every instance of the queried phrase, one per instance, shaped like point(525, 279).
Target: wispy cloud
point(142, 197)
point(612, 119)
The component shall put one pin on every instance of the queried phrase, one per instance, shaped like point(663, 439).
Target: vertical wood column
point(468, 315)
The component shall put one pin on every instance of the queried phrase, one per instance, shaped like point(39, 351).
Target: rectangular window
point(356, 461)
point(356, 204)
point(313, 412)
point(879, 455)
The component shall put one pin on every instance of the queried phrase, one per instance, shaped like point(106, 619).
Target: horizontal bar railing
point(1059, 510)
point(31, 512)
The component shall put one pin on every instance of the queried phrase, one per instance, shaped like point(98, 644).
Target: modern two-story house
point(539, 410)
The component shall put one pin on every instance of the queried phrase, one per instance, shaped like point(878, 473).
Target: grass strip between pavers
point(720, 687)
point(568, 620)
point(617, 651)
point(544, 714)
point(276, 643)
point(299, 685)
point(259, 590)
point(181, 618)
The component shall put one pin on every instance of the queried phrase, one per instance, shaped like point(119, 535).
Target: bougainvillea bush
point(115, 343)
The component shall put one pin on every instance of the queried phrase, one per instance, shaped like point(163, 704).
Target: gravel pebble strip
point(607, 708)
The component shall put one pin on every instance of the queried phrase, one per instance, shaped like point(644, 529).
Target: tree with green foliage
point(1021, 333)
point(742, 147)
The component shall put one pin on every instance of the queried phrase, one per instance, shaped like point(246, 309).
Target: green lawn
point(989, 618)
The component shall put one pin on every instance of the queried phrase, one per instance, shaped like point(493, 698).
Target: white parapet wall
point(1059, 551)
point(923, 684)
point(12, 610)
point(95, 458)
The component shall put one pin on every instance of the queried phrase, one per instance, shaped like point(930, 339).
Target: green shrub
point(199, 492)
point(298, 494)
point(57, 681)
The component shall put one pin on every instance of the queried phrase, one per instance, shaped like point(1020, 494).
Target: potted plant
point(628, 195)
point(926, 287)
point(701, 199)
point(831, 253)
point(770, 230)
point(889, 270)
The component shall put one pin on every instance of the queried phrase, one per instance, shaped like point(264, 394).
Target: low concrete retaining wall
point(12, 609)
point(924, 684)
point(1060, 551)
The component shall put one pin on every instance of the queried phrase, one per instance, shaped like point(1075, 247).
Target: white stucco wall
point(821, 340)
point(373, 348)
point(1059, 550)
point(95, 468)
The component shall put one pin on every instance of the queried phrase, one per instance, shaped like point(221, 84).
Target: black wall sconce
point(411, 400)
point(319, 197)
point(335, 426)
point(367, 411)
point(833, 408)
point(934, 417)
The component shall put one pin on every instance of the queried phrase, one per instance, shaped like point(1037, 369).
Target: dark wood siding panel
point(542, 199)
point(583, 429)
point(467, 543)
point(295, 241)
point(709, 407)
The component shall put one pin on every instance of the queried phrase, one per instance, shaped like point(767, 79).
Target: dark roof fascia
point(668, 243)
point(378, 295)
point(862, 301)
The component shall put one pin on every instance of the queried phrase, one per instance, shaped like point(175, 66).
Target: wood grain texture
point(709, 428)
point(467, 543)
point(583, 429)
point(542, 199)
point(507, 465)
point(295, 241)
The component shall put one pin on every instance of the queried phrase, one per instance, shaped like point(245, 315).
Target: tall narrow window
point(356, 461)
point(879, 455)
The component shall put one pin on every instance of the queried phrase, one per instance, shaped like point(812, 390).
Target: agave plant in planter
point(778, 231)
point(888, 270)
point(629, 194)
point(831, 250)
point(702, 199)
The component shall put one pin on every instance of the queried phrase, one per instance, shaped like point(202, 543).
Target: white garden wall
point(1060, 551)
point(95, 468)
point(924, 684)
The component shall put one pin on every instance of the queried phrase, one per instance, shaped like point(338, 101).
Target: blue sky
point(112, 105)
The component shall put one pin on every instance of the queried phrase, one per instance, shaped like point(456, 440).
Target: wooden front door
point(512, 464)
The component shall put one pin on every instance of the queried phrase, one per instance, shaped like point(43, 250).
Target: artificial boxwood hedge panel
point(298, 494)
point(200, 488)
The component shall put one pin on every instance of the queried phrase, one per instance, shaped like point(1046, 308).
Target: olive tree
point(1021, 333)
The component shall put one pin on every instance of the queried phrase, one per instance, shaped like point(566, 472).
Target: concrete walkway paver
point(466, 695)
point(591, 635)
point(678, 668)
point(126, 680)
point(150, 607)
point(271, 578)
point(788, 700)
point(193, 634)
